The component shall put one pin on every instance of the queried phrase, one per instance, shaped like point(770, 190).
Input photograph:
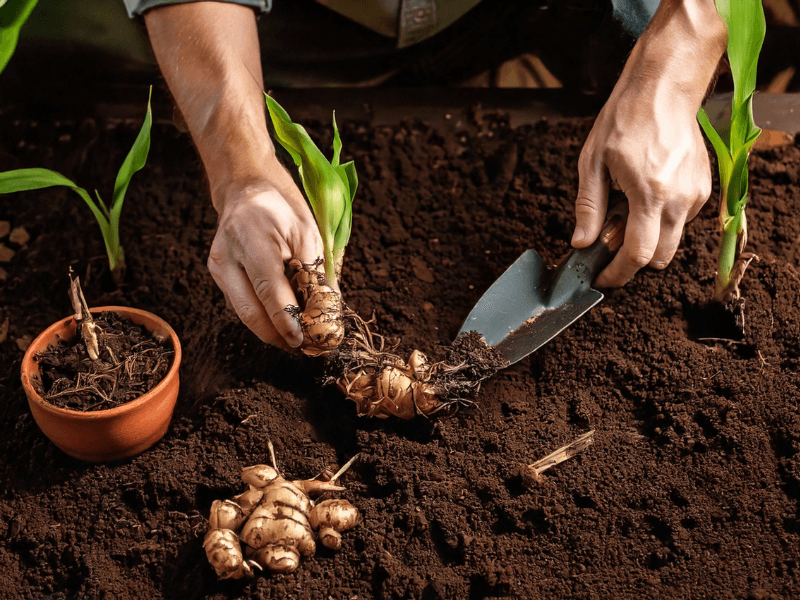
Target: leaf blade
point(134, 162)
point(327, 191)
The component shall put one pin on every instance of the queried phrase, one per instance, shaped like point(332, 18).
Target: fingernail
point(295, 337)
point(578, 236)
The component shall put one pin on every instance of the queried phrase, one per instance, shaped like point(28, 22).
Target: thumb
point(591, 203)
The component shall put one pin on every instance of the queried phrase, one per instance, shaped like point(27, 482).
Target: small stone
point(5, 227)
point(426, 306)
point(421, 270)
point(23, 342)
point(6, 253)
point(19, 236)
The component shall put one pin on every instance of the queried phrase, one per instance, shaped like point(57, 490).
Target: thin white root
point(562, 454)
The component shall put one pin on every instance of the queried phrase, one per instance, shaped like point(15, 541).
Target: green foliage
point(108, 218)
point(746, 26)
point(13, 15)
point(330, 187)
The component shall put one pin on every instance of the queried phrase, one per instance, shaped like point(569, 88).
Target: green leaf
point(276, 111)
point(23, 180)
point(347, 171)
point(723, 152)
point(12, 17)
point(327, 186)
point(135, 161)
point(746, 29)
point(337, 143)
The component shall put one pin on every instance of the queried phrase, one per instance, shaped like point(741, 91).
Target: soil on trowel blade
point(690, 489)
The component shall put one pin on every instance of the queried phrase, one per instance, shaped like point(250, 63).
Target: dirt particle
point(421, 270)
point(23, 342)
point(6, 253)
point(19, 236)
point(5, 227)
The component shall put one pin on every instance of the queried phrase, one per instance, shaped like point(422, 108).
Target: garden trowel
point(532, 303)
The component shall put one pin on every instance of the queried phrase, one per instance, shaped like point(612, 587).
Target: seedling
point(330, 188)
point(733, 142)
point(21, 180)
point(13, 15)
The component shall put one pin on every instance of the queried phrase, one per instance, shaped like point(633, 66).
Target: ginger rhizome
point(275, 522)
point(381, 383)
point(321, 319)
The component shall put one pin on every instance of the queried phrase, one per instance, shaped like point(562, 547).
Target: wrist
point(235, 146)
point(679, 51)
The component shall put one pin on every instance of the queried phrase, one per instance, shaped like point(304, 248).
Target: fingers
point(274, 294)
point(642, 234)
point(239, 292)
point(592, 200)
point(668, 241)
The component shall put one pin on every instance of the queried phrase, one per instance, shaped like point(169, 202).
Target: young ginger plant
point(746, 28)
point(330, 188)
point(108, 217)
point(380, 382)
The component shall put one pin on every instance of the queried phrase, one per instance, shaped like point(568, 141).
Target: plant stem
point(734, 237)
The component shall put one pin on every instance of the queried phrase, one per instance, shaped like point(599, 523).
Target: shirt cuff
point(137, 7)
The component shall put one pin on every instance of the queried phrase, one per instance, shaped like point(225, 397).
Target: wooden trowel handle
point(597, 256)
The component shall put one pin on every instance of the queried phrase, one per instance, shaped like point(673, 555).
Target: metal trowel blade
point(518, 314)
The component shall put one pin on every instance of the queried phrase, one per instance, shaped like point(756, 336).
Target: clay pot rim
point(30, 367)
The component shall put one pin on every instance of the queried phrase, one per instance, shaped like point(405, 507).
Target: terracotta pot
point(116, 433)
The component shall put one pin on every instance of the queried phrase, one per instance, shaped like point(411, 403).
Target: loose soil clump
point(691, 487)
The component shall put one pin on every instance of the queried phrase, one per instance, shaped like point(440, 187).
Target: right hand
point(261, 228)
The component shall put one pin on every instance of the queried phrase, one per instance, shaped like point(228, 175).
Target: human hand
point(209, 55)
point(647, 142)
point(655, 154)
point(261, 228)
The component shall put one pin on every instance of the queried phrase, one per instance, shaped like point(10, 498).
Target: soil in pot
point(131, 363)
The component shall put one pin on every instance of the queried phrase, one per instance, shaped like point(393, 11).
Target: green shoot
point(746, 28)
point(108, 218)
point(13, 15)
point(330, 187)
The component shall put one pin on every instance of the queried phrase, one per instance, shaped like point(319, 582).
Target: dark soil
point(131, 363)
point(690, 489)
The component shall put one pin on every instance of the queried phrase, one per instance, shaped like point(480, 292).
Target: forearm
point(209, 55)
point(680, 50)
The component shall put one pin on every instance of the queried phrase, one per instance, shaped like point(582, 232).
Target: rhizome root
point(367, 370)
point(364, 365)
